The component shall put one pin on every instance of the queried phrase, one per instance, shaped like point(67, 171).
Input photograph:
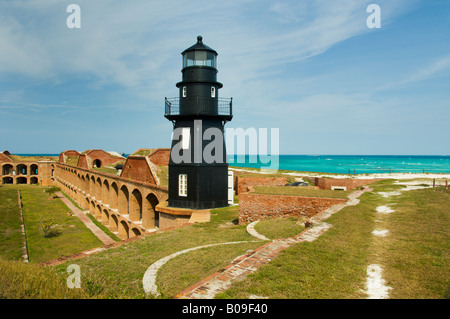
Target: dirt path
point(86, 220)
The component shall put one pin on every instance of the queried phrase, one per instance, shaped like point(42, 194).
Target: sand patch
point(384, 209)
point(375, 285)
point(380, 232)
point(389, 194)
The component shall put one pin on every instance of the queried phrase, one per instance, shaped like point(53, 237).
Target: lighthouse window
point(184, 91)
point(185, 138)
point(200, 58)
point(182, 185)
point(213, 91)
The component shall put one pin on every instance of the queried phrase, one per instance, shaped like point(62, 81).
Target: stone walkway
point(250, 262)
point(86, 220)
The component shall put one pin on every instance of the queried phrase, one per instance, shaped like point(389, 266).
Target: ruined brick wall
point(138, 168)
point(327, 183)
point(4, 158)
point(254, 207)
point(103, 156)
point(71, 153)
point(83, 162)
point(242, 183)
point(160, 156)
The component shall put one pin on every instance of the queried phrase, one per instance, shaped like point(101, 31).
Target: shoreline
point(335, 175)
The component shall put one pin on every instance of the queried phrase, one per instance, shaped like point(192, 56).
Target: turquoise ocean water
point(343, 164)
point(359, 164)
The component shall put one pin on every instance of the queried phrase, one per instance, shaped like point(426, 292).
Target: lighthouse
point(198, 169)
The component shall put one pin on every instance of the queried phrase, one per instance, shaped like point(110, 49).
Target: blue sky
point(313, 69)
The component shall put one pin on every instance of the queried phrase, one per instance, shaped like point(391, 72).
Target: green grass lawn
point(11, 237)
point(118, 272)
point(414, 256)
point(274, 228)
point(73, 236)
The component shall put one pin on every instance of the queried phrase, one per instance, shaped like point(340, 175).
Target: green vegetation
point(18, 158)
point(19, 280)
point(118, 272)
point(71, 234)
point(72, 160)
point(143, 152)
point(414, 255)
point(102, 227)
point(163, 175)
point(300, 191)
point(280, 227)
point(11, 237)
point(106, 170)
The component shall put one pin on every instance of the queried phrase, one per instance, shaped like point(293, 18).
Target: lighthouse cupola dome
point(199, 55)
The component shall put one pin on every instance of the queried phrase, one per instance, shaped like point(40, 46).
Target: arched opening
point(123, 200)
point(97, 163)
point(7, 180)
point(113, 223)
point(98, 189)
point(105, 192)
point(136, 205)
point(33, 169)
point(92, 208)
point(98, 212)
point(150, 217)
point(113, 196)
point(92, 186)
point(21, 180)
point(7, 169)
point(86, 203)
point(33, 180)
point(134, 232)
point(105, 217)
point(123, 230)
point(87, 186)
point(21, 169)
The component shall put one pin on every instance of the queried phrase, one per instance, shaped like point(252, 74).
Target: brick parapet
point(254, 207)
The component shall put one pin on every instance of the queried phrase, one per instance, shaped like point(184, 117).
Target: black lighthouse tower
point(198, 169)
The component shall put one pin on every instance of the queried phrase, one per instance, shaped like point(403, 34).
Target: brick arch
point(33, 169)
point(105, 217)
point(98, 189)
point(7, 180)
point(92, 186)
point(98, 212)
point(124, 197)
point(92, 208)
point(21, 169)
point(123, 229)
point(105, 191)
point(134, 232)
point(21, 180)
point(7, 169)
point(150, 218)
point(135, 208)
point(113, 223)
point(114, 196)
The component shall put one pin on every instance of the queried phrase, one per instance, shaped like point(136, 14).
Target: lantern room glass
point(199, 58)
